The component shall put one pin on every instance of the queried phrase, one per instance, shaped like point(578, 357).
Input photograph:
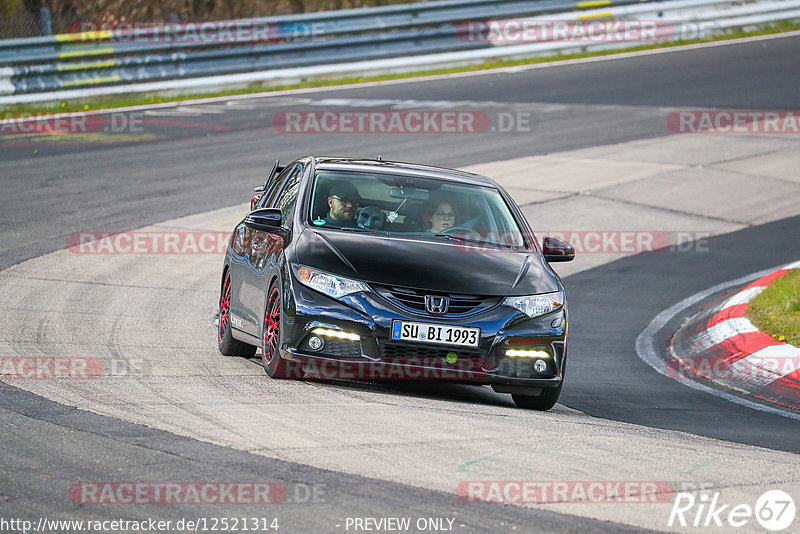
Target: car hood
point(447, 266)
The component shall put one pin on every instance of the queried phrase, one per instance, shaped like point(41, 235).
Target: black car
point(371, 269)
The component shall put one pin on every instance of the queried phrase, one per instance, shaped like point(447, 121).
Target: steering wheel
point(469, 233)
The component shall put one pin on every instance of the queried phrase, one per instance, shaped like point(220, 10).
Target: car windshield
point(406, 206)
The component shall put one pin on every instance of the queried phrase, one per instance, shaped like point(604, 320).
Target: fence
point(174, 53)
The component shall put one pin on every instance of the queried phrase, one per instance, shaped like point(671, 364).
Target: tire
point(542, 402)
point(274, 365)
point(225, 343)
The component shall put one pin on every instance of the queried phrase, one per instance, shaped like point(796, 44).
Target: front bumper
point(376, 356)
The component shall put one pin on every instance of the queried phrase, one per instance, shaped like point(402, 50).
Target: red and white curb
point(723, 346)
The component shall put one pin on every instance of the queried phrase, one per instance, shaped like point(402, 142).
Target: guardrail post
point(46, 21)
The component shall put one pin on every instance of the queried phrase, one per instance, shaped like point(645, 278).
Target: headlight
point(333, 286)
point(535, 305)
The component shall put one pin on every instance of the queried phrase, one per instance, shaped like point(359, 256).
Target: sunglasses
point(353, 201)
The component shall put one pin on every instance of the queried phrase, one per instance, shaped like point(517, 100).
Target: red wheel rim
point(272, 323)
point(225, 308)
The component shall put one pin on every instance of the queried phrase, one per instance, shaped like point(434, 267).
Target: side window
point(277, 187)
point(288, 199)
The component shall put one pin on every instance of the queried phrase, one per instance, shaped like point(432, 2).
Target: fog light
point(540, 366)
point(315, 343)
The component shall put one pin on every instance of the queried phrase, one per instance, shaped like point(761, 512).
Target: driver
point(443, 216)
point(343, 199)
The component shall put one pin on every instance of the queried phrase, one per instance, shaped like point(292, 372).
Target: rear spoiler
point(277, 168)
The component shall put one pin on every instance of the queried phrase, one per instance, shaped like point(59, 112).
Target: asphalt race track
point(621, 388)
point(390, 450)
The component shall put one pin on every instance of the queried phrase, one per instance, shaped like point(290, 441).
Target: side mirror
point(265, 220)
point(557, 250)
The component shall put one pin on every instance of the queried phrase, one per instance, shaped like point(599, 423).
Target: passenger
point(343, 199)
point(442, 216)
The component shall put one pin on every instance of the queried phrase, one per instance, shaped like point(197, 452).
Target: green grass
point(142, 99)
point(776, 311)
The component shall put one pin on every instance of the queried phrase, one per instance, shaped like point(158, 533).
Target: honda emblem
point(437, 304)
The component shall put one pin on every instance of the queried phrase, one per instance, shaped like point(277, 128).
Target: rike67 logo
point(774, 510)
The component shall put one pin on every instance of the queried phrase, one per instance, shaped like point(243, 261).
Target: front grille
point(435, 358)
point(414, 300)
point(401, 351)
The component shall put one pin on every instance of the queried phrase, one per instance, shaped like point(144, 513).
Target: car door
point(263, 253)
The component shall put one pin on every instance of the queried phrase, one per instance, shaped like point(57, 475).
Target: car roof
point(401, 168)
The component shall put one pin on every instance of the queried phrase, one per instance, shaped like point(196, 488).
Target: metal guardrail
point(100, 57)
point(103, 58)
point(320, 25)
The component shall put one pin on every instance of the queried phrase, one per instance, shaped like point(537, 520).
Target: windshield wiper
point(352, 229)
point(476, 241)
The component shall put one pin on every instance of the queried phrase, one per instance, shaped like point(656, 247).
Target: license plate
point(464, 336)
